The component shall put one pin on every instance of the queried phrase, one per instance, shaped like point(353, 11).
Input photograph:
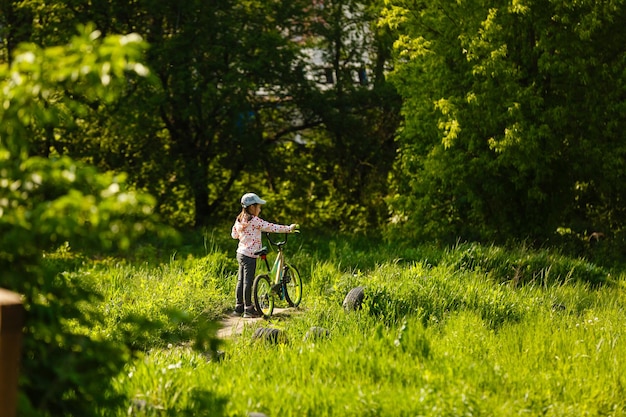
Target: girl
point(247, 229)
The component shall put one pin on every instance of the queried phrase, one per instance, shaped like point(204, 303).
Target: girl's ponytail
point(244, 216)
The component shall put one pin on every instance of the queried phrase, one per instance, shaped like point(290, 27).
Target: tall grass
point(546, 366)
point(462, 331)
point(172, 298)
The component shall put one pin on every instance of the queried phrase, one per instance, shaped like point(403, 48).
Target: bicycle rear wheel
point(262, 295)
point(293, 285)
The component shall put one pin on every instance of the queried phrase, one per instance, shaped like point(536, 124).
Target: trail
point(231, 326)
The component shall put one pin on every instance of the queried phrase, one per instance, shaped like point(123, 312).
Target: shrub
point(523, 266)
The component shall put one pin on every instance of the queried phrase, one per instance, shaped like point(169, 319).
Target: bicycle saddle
point(262, 251)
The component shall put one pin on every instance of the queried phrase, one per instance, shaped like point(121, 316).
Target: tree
point(513, 113)
point(351, 115)
point(190, 135)
point(57, 202)
point(233, 105)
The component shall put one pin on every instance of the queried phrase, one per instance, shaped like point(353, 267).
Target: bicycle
point(285, 282)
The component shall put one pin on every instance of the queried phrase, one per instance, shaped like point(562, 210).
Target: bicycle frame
point(281, 281)
point(276, 271)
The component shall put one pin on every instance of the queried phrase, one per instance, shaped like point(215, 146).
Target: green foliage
point(511, 111)
point(234, 104)
point(164, 384)
point(335, 172)
point(44, 202)
point(513, 123)
point(221, 70)
point(58, 203)
point(525, 266)
point(179, 299)
point(62, 368)
point(446, 336)
point(453, 364)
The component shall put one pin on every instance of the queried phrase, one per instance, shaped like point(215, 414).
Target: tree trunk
point(201, 204)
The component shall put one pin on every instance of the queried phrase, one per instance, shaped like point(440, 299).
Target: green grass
point(462, 331)
point(547, 366)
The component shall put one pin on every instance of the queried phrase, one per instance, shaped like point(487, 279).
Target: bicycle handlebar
point(279, 244)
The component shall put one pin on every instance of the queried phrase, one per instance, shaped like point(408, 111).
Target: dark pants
point(245, 279)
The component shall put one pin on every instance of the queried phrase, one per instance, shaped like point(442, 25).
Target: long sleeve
point(249, 234)
point(272, 227)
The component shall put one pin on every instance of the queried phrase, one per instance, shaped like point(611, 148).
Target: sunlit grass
point(437, 337)
point(550, 365)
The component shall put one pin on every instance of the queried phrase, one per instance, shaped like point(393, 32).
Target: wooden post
point(11, 322)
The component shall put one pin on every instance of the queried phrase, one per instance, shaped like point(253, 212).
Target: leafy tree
point(233, 88)
point(340, 163)
point(57, 202)
point(513, 117)
point(191, 134)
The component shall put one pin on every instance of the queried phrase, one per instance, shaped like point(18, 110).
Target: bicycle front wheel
point(293, 285)
point(262, 295)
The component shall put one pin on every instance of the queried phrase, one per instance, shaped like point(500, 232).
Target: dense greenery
point(512, 112)
point(47, 202)
point(236, 103)
point(452, 331)
point(514, 117)
point(508, 119)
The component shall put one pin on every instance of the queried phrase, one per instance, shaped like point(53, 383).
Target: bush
point(522, 266)
point(45, 202)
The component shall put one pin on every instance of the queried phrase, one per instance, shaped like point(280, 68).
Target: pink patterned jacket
point(249, 234)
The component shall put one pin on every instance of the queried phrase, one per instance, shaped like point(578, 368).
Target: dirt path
point(233, 325)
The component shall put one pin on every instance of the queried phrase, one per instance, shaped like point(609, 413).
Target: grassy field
point(462, 331)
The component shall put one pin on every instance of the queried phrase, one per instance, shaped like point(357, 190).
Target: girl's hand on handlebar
point(294, 227)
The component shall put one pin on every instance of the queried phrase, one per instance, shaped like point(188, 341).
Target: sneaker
point(238, 311)
point(251, 314)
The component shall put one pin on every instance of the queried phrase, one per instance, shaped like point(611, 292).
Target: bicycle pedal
point(276, 288)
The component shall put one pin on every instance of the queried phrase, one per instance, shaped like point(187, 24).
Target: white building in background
point(356, 37)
